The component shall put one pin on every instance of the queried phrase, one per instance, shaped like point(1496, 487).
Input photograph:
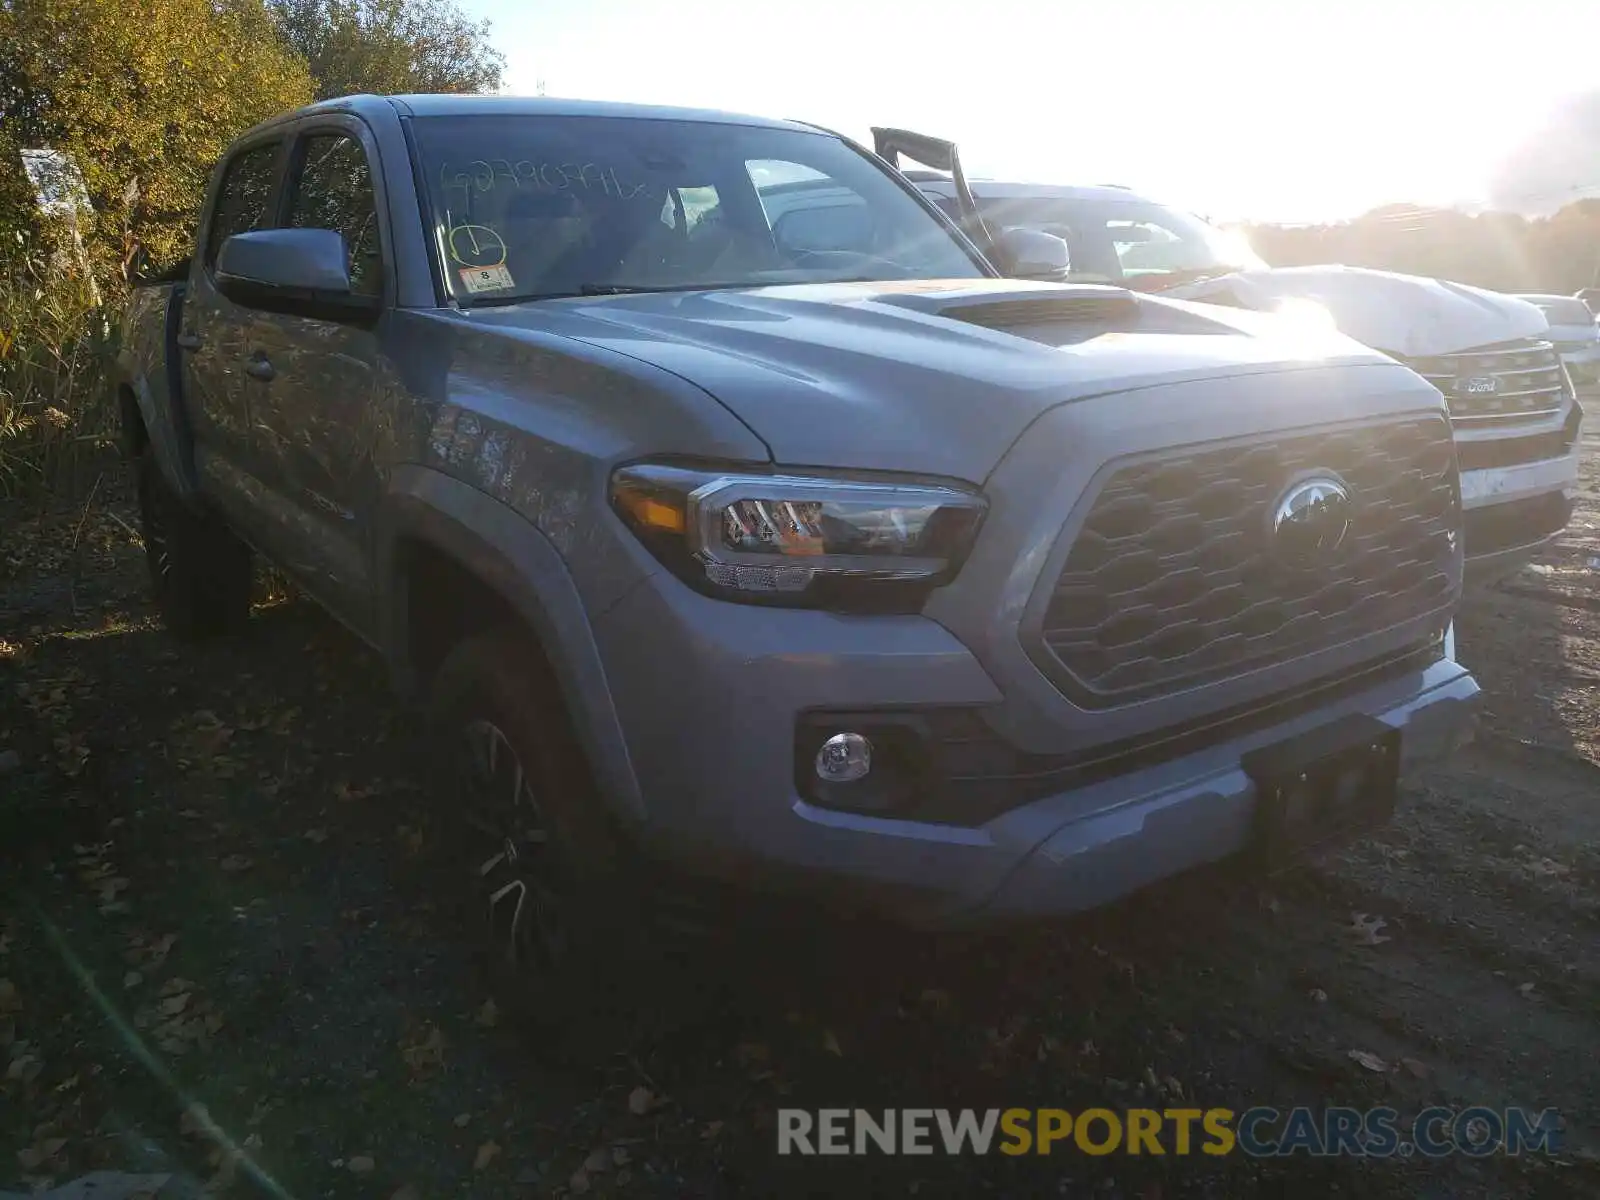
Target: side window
point(245, 198)
point(334, 191)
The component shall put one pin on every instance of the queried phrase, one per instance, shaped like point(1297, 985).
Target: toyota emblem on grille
point(1310, 520)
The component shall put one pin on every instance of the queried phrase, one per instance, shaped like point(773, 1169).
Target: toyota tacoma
point(866, 574)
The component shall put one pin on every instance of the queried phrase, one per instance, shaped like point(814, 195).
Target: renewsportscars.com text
point(1258, 1132)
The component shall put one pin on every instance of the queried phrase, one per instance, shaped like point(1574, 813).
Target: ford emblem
point(1478, 385)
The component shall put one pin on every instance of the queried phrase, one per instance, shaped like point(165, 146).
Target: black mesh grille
point(1173, 580)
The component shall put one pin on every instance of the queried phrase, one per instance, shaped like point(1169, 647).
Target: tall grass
point(58, 333)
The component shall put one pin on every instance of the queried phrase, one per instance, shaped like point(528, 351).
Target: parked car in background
point(1574, 333)
point(861, 572)
point(1512, 406)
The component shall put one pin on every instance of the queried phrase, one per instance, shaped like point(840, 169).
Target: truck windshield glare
point(524, 209)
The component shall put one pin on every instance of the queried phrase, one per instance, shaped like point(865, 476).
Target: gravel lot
point(222, 889)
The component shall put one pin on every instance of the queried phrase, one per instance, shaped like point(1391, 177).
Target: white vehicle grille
point(1504, 384)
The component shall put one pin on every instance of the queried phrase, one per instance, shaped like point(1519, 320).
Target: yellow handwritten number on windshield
point(476, 246)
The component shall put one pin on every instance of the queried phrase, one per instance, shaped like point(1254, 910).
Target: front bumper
point(1512, 512)
point(1583, 363)
point(709, 694)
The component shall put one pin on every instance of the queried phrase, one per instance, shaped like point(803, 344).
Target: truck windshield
point(1131, 242)
point(526, 208)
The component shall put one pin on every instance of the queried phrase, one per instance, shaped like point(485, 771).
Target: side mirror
point(1032, 254)
point(299, 271)
point(1591, 297)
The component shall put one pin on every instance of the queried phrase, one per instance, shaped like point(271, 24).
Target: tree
point(389, 46)
point(144, 95)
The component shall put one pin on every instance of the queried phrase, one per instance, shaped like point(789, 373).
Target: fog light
point(844, 758)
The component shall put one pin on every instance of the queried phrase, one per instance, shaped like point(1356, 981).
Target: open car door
point(938, 155)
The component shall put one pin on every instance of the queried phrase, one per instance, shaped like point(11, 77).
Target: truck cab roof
point(424, 105)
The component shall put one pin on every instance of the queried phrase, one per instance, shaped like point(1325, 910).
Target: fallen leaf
point(317, 837)
point(1526, 989)
point(711, 1130)
point(1367, 930)
point(25, 1068)
point(1548, 868)
point(579, 1183)
point(1369, 1060)
point(463, 1120)
point(361, 1164)
point(426, 1051)
point(1320, 996)
point(173, 1005)
point(486, 1155)
point(1416, 1068)
point(173, 986)
point(620, 1156)
point(599, 1159)
point(831, 1044)
point(196, 1119)
point(36, 1156)
point(640, 1101)
point(132, 979)
point(235, 862)
point(489, 1015)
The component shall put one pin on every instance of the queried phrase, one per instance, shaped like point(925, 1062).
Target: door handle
point(259, 368)
point(189, 341)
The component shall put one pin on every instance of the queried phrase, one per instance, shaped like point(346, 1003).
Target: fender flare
point(512, 556)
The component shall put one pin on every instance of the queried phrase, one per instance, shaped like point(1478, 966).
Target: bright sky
point(1276, 110)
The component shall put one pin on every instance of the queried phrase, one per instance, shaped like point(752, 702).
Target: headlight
point(811, 540)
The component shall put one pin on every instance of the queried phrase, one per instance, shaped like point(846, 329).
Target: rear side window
point(334, 191)
point(244, 201)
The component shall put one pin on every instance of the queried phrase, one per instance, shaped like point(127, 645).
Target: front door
point(314, 383)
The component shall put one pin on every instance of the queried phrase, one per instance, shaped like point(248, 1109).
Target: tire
point(200, 573)
point(548, 904)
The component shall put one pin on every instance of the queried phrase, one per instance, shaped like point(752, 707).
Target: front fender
point(510, 554)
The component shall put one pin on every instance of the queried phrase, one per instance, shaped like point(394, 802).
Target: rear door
point(215, 334)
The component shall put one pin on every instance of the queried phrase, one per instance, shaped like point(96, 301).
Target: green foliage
point(389, 46)
point(57, 338)
point(144, 94)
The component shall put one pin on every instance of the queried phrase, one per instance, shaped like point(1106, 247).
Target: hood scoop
point(1100, 306)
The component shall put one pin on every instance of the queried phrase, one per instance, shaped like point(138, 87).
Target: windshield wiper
point(629, 289)
point(1161, 282)
point(626, 289)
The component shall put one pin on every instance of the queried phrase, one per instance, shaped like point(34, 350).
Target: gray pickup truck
point(870, 575)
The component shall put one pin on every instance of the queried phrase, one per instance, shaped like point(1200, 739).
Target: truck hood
point(939, 378)
point(1402, 315)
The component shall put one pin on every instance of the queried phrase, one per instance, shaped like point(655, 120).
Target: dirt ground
point(224, 952)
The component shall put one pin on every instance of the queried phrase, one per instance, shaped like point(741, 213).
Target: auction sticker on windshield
point(486, 279)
